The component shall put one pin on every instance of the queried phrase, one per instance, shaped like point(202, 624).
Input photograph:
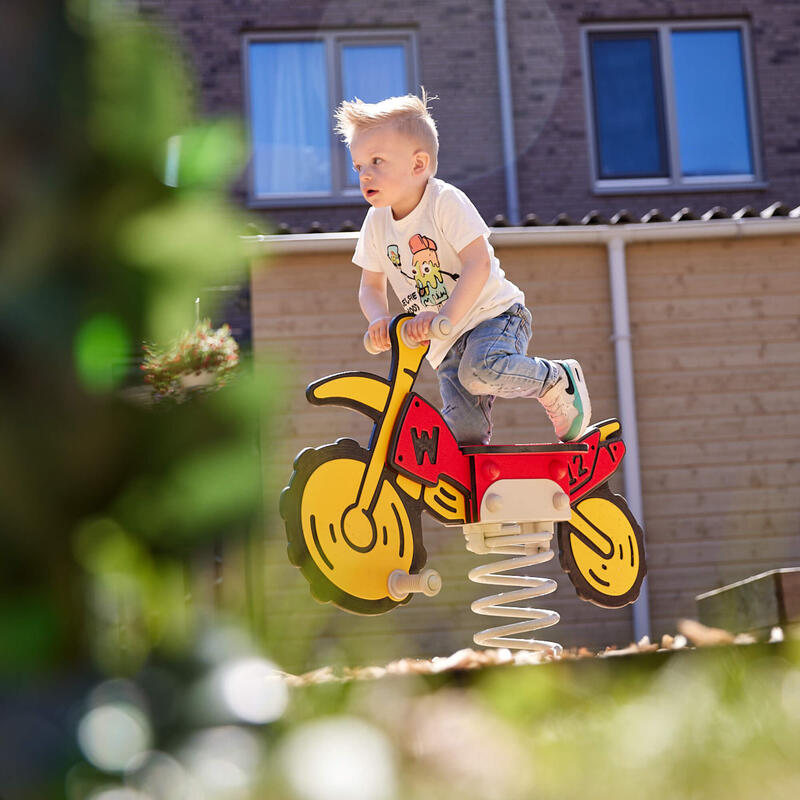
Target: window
point(670, 106)
point(294, 84)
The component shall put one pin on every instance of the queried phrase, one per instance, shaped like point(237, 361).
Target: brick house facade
point(708, 311)
point(455, 57)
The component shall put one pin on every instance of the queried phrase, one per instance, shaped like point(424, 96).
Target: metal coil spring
point(530, 544)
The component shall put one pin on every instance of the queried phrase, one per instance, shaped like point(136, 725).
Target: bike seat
point(566, 448)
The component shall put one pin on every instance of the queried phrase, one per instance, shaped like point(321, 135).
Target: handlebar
point(441, 328)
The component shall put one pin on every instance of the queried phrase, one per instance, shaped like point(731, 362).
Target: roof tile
point(622, 217)
point(594, 217)
point(775, 210)
point(683, 215)
point(654, 215)
point(717, 212)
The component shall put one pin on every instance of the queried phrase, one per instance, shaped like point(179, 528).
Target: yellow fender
point(361, 391)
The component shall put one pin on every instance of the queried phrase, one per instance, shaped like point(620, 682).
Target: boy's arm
point(375, 307)
point(475, 268)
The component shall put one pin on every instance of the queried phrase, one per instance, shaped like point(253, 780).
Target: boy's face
point(392, 169)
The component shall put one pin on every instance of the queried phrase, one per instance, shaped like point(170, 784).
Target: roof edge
point(544, 235)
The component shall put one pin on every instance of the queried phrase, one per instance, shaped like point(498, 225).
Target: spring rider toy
point(353, 514)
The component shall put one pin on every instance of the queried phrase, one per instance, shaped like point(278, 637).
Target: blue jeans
point(489, 361)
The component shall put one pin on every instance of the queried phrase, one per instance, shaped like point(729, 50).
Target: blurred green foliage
point(103, 499)
point(107, 506)
point(721, 722)
point(100, 341)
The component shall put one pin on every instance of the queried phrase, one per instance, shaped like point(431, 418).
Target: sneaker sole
point(581, 422)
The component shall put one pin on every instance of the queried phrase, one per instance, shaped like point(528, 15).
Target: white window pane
point(289, 117)
point(372, 72)
point(711, 103)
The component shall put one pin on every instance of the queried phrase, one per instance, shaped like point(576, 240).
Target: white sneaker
point(567, 402)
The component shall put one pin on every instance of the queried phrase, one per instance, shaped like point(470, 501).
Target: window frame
point(674, 182)
point(334, 40)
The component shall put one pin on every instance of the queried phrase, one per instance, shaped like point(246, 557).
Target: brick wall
point(554, 172)
point(460, 68)
point(458, 62)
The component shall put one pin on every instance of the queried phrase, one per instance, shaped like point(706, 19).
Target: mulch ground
point(691, 634)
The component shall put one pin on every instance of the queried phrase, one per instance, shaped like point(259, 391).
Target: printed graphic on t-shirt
point(393, 251)
point(427, 272)
point(411, 301)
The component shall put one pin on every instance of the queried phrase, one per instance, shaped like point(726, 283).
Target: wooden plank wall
point(306, 316)
point(717, 357)
point(716, 339)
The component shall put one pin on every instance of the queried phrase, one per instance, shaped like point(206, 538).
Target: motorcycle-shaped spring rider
point(353, 515)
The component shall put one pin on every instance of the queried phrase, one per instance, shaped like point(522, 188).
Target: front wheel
point(601, 548)
point(347, 553)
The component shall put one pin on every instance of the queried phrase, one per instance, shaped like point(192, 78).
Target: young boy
point(430, 242)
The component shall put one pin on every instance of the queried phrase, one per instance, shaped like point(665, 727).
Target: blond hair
point(409, 115)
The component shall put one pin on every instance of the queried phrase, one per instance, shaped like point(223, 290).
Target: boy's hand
point(379, 333)
point(418, 328)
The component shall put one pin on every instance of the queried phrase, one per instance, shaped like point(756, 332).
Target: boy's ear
point(421, 162)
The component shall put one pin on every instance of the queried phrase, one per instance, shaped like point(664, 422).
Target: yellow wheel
point(601, 548)
point(345, 552)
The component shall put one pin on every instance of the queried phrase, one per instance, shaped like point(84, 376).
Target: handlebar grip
point(440, 329)
point(369, 347)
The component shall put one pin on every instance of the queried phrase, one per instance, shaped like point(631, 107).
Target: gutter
point(626, 397)
point(546, 235)
point(506, 111)
point(615, 238)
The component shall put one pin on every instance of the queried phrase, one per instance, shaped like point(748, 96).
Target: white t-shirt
point(419, 255)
